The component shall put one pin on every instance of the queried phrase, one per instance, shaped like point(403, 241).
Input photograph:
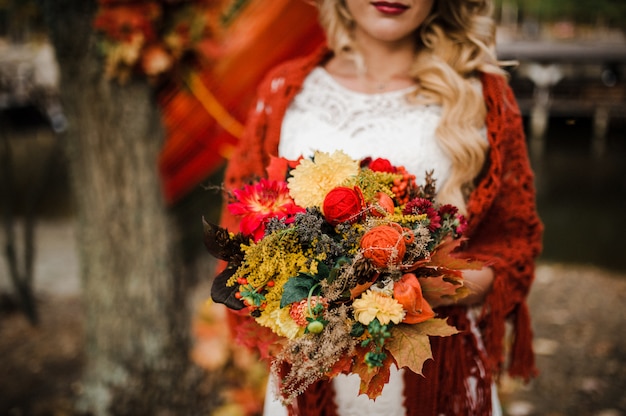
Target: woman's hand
point(479, 283)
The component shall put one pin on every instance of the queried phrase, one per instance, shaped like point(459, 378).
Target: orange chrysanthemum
point(300, 311)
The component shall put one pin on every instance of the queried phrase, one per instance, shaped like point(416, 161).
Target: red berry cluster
point(253, 298)
point(404, 186)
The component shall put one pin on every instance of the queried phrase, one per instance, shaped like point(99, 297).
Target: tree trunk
point(135, 281)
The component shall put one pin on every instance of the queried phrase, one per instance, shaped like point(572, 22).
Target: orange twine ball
point(383, 245)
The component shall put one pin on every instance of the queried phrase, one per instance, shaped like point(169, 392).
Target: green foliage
point(298, 288)
point(610, 12)
point(378, 335)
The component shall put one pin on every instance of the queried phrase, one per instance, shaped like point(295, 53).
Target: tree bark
point(135, 280)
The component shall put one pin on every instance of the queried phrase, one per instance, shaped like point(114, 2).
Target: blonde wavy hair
point(455, 43)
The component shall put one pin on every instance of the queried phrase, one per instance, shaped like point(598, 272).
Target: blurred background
point(570, 80)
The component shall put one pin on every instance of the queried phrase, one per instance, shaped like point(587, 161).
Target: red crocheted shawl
point(503, 228)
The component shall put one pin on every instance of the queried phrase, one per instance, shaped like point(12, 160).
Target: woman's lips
point(389, 7)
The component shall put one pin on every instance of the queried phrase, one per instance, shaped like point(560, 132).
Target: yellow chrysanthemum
point(377, 305)
point(312, 179)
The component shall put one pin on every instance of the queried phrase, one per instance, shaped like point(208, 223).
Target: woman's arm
point(505, 231)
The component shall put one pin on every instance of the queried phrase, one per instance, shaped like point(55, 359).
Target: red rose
point(343, 204)
point(381, 165)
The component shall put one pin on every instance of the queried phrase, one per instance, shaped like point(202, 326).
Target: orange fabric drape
point(203, 115)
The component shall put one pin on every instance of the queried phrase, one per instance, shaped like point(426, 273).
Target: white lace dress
point(326, 116)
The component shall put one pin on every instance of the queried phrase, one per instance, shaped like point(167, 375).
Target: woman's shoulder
point(292, 72)
point(498, 93)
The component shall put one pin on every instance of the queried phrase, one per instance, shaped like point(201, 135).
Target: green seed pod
point(315, 327)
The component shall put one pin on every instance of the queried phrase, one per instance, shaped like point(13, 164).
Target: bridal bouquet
point(339, 258)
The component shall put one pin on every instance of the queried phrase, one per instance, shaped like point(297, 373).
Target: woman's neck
point(385, 66)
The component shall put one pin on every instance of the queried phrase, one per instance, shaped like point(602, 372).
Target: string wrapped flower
point(344, 204)
point(384, 246)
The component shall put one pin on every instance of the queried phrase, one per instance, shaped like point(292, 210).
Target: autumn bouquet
point(340, 258)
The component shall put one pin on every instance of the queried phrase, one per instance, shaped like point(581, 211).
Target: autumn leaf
point(373, 379)
point(410, 344)
point(360, 367)
point(277, 168)
point(342, 366)
point(442, 257)
point(442, 275)
point(379, 379)
point(212, 242)
point(440, 286)
point(251, 335)
point(221, 245)
point(222, 293)
point(358, 289)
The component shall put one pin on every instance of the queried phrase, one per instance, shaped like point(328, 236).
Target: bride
point(416, 82)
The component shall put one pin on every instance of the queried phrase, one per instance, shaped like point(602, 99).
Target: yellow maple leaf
point(410, 344)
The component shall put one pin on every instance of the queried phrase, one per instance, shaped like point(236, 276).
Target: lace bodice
point(326, 116)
